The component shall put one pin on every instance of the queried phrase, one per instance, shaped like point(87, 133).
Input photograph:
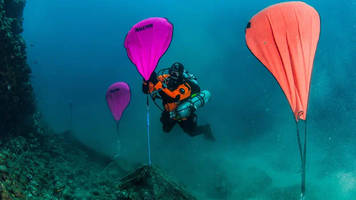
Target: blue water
point(75, 49)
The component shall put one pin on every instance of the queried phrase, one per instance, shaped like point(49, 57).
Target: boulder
point(150, 183)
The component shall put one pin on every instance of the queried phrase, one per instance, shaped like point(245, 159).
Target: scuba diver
point(181, 97)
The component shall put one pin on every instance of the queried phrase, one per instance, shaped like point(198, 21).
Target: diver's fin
point(208, 134)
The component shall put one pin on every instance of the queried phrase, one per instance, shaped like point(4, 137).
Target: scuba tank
point(190, 77)
point(196, 101)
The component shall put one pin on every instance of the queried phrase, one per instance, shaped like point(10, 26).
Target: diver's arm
point(195, 87)
point(146, 86)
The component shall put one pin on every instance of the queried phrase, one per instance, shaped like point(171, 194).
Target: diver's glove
point(152, 79)
point(145, 87)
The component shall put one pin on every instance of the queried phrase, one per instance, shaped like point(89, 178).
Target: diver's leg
point(206, 129)
point(190, 127)
point(167, 122)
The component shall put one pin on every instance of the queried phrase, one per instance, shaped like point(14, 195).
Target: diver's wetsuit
point(189, 125)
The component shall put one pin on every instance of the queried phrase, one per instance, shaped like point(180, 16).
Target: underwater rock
point(3, 169)
point(4, 194)
point(51, 166)
point(150, 183)
point(3, 157)
point(92, 154)
point(16, 93)
point(14, 8)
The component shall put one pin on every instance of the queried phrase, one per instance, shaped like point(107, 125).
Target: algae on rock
point(16, 94)
point(150, 183)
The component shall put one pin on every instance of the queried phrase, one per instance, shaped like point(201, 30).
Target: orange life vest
point(181, 93)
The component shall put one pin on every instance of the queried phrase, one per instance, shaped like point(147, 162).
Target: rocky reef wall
point(16, 94)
